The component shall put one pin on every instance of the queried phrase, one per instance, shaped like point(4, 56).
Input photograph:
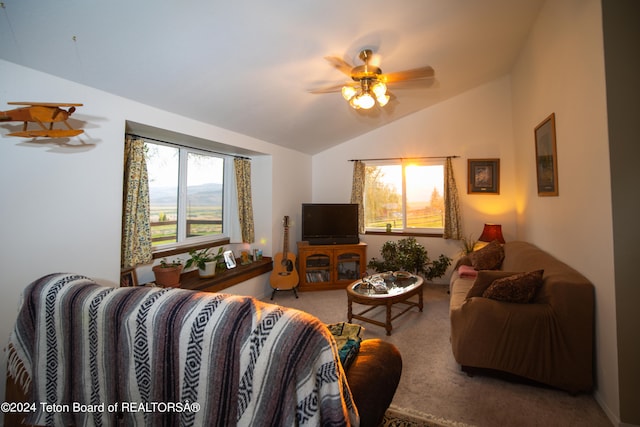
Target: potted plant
point(205, 261)
point(468, 244)
point(168, 273)
point(409, 255)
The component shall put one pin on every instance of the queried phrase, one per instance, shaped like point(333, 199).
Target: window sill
point(226, 278)
point(401, 233)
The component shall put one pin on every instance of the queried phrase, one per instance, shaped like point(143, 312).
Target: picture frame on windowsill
point(128, 277)
point(229, 259)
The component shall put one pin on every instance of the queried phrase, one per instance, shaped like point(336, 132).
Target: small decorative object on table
point(376, 283)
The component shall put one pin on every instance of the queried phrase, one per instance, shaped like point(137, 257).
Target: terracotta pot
point(167, 277)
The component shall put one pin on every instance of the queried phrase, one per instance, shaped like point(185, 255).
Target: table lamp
point(491, 232)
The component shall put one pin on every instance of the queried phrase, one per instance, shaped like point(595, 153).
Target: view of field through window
point(415, 202)
point(202, 198)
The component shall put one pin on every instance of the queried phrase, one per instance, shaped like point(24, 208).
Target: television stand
point(327, 267)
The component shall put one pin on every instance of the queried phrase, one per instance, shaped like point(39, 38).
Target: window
point(186, 194)
point(408, 197)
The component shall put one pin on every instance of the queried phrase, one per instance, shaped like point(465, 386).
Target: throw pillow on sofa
point(489, 257)
point(519, 288)
point(484, 279)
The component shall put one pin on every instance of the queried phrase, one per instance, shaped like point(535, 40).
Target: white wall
point(475, 124)
point(61, 200)
point(561, 70)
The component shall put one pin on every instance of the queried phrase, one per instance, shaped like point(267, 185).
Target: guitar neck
point(285, 244)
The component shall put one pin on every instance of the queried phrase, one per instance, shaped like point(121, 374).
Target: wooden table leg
point(349, 309)
point(388, 323)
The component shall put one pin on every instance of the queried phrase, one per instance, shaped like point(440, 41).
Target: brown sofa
point(548, 340)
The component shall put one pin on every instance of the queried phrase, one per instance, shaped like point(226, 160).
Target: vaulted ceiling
point(248, 66)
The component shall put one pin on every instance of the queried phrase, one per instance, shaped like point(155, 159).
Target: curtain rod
point(187, 146)
point(405, 158)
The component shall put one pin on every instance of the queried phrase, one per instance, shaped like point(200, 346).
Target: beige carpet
point(432, 382)
point(405, 417)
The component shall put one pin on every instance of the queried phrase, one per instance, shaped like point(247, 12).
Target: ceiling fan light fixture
point(348, 92)
point(368, 85)
point(379, 89)
point(365, 101)
point(383, 100)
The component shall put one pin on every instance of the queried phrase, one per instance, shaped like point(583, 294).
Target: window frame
point(196, 242)
point(407, 231)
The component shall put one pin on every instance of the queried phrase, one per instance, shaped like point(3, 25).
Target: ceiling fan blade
point(423, 83)
point(414, 74)
point(328, 89)
point(340, 64)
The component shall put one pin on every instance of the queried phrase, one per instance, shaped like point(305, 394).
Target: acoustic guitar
point(284, 275)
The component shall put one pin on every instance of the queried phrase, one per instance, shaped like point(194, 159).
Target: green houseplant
point(168, 273)
point(409, 255)
point(205, 261)
point(468, 243)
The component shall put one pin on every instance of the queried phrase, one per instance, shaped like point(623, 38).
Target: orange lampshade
point(492, 232)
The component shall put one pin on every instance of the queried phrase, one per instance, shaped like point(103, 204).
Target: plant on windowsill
point(409, 255)
point(168, 273)
point(205, 261)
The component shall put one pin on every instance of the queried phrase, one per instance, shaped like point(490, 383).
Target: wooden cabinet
point(323, 267)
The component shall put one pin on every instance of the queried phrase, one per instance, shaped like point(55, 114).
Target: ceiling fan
point(369, 82)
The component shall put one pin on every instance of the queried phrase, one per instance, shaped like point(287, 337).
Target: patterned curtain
point(136, 228)
point(357, 191)
point(452, 221)
point(245, 206)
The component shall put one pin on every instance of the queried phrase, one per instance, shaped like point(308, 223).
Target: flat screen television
point(330, 223)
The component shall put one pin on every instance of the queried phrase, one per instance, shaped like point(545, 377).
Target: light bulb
point(348, 92)
point(366, 101)
point(383, 100)
point(379, 89)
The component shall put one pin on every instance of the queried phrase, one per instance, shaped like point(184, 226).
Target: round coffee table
point(398, 287)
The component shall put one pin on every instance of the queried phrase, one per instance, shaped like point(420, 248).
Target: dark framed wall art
point(546, 157)
point(483, 176)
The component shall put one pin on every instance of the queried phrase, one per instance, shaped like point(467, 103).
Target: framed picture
point(546, 157)
point(229, 259)
point(128, 277)
point(484, 176)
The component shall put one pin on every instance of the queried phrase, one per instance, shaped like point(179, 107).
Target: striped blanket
point(90, 355)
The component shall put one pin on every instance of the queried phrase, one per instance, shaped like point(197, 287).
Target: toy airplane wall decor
point(41, 113)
